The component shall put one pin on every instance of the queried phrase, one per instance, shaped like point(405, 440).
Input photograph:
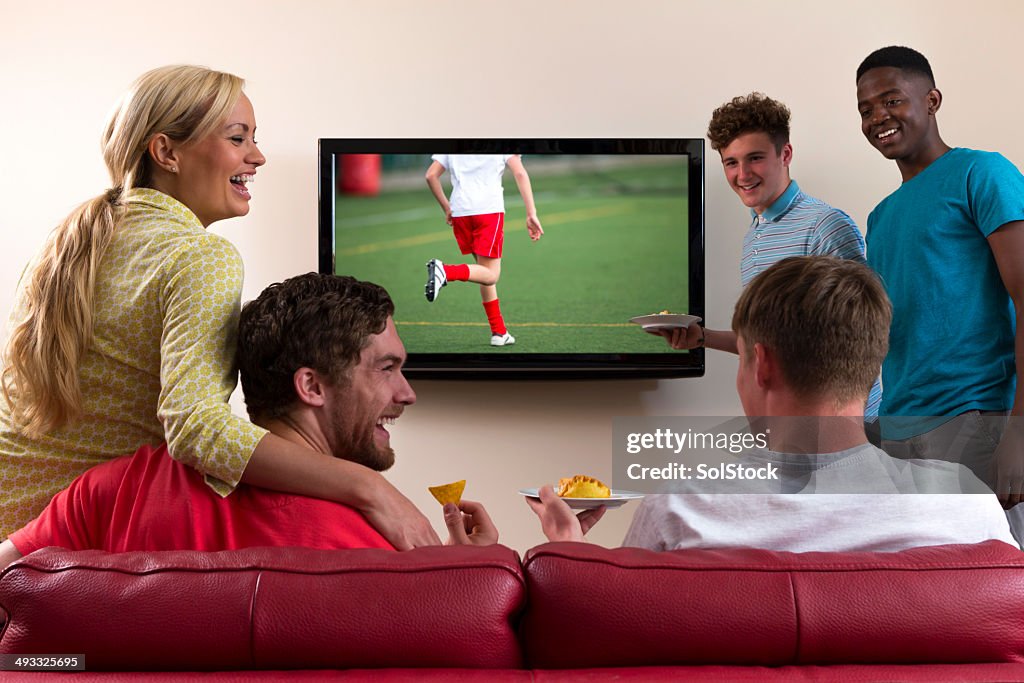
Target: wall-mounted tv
point(623, 223)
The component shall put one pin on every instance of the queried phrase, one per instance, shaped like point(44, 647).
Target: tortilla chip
point(448, 493)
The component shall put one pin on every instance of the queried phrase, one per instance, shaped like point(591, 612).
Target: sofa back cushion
point(267, 608)
point(595, 607)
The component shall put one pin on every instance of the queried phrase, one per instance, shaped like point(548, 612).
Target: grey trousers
point(969, 439)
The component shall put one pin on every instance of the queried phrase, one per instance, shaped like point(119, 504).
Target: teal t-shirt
point(951, 345)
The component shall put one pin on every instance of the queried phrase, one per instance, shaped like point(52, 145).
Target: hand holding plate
point(557, 520)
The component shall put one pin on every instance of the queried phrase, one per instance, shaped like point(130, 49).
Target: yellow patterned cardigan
point(160, 368)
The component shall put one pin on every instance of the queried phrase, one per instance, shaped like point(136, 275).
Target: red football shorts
point(482, 235)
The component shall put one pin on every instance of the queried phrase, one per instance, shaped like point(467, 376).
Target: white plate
point(664, 321)
point(618, 498)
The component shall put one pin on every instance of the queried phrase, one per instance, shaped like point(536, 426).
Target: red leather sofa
point(565, 612)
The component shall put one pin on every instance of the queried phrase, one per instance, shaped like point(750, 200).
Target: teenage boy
point(812, 332)
point(477, 216)
point(949, 245)
point(321, 364)
point(751, 134)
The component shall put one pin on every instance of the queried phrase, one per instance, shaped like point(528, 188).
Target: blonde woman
point(123, 333)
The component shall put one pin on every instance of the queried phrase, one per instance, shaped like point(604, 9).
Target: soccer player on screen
point(476, 213)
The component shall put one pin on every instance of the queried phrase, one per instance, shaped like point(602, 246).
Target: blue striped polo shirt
point(799, 225)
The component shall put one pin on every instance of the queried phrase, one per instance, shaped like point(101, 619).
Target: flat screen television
point(623, 224)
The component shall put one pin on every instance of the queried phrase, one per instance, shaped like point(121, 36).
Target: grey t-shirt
point(858, 499)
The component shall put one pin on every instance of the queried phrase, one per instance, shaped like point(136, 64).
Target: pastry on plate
point(582, 486)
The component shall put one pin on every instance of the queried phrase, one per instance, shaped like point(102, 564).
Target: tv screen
point(623, 236)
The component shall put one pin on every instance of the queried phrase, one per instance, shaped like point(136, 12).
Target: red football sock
point(493, 311)
point(457, 273)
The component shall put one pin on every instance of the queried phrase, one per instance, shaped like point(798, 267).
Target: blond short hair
point(826, 319)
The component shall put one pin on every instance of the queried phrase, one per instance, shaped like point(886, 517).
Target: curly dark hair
point(314, 321)
point(899, 57)
point(753, 113)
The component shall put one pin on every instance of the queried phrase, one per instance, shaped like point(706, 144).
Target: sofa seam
point(841, 567)
point(252, 619)
point(796, 620)
point(512, 570)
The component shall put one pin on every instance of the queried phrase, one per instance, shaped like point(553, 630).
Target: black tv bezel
point(531, 366)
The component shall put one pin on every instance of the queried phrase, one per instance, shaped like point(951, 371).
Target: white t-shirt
point(826, 521)
point(476, 182)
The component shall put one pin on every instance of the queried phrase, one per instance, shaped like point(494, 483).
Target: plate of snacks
point(664, 320)
point(584, 493)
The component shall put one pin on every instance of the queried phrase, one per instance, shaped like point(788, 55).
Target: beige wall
point(468, 68)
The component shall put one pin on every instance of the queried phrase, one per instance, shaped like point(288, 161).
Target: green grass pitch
point(614, 247)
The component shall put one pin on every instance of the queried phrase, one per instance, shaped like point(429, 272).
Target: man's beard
point(373, 456)
point(361, 447)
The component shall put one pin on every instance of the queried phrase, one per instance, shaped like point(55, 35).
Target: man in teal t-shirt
point(949, 246)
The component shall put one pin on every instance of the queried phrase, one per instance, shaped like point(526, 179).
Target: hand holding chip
point(467, 521)
point(469, 524)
